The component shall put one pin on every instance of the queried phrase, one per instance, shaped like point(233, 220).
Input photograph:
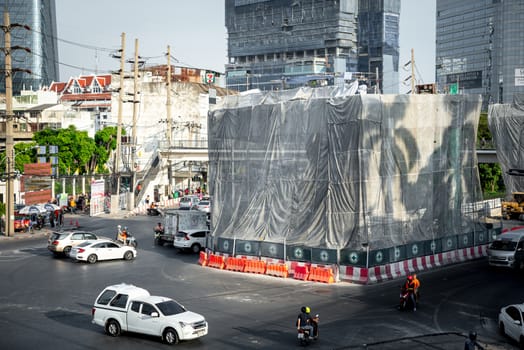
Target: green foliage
point(2, 209)
point(77, 152)
point(24, 153)
point(483, 128)
point(490, 176)
point(105, 143)
point(75, 148)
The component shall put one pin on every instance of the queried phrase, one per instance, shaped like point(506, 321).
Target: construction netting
point(506, 123)
point(317, 168)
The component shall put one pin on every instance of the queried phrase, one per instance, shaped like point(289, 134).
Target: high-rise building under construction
point(480, 48)
point(40, 39)
point(276, 44)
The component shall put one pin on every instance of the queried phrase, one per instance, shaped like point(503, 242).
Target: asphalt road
point(45, 302)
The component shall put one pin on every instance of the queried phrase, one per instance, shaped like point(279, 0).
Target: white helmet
point(119, 226)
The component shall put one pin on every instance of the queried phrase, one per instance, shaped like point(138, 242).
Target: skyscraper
point(480, 48)
point(275, 44)
point(42, 61)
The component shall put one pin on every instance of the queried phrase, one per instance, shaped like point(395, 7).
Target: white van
point(189, 202)
point(507, 249)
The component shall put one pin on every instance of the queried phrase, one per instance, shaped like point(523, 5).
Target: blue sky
point(195, 32)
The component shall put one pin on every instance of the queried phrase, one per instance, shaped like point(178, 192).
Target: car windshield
point(504, 245)
point(170, 307)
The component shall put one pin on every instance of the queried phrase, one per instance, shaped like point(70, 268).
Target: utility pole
point(168, 115)
point(9, 115)
point(9, 142)
point(168, 98)
point(116, 169)
point(412, 71)
point(133, 132)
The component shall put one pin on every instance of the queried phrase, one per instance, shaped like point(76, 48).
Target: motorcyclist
point(159, 229)
point(471, 342)
point(304, 321)
point(409, 287)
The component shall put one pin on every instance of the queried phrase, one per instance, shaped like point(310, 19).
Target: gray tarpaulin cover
point(314, 168)
point(506, 123)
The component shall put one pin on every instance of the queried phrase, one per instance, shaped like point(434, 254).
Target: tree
point(75, 148)
point(490, 175)
point(25, 152)
point(105, 144)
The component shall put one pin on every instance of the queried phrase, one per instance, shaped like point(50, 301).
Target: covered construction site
point(354, 182)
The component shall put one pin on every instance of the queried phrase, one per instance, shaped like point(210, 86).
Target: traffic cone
point(71, 223)
point(77, 225)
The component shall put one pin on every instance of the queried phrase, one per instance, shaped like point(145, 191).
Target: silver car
point(60, 243)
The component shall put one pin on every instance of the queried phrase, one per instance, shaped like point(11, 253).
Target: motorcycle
point(406, 301)
point(158, 237)
point(304, 338)
point(130, 240)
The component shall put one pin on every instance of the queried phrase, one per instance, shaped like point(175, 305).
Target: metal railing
point(183, 144)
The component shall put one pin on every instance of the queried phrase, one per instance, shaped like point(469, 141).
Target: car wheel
point(502, 331)
point(159, 242)
point(170, 336)
point(113, 328)
point(92, 258)
point(66, 250)
point(128, 255)
point(195, 248)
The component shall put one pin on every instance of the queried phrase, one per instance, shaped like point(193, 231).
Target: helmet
point(119, 226)
point(303, 309)
point(410, 278)
point(308, 310)
point(473, 335)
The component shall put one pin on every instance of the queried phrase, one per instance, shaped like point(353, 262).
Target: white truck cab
point(127, 308)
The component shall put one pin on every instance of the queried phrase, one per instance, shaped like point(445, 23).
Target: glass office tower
point(42, 61)
point(278, 44)
point(480, 48)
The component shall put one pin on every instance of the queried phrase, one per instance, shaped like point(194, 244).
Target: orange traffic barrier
point(301, 273)
point(203, 259)
point(235, 264)
point(255, 266)
point(321, 274)
point(216, 261)
point(278, 270)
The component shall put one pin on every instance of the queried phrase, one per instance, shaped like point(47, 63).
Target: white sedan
point(105, 249)
point(511, 320)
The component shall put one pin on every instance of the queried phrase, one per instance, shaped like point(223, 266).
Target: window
point(120, 301)
point(135, 306)
point(89, 236)
point(147, 309)
point(106, 297)
point(200, 234)
point(77, 236)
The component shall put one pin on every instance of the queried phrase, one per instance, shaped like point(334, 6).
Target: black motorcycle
point(406, 301)
point(304, 338)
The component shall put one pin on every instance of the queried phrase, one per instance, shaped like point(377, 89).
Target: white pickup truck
point(125, 307)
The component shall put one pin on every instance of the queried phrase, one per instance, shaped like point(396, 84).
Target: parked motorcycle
point(304, 338)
